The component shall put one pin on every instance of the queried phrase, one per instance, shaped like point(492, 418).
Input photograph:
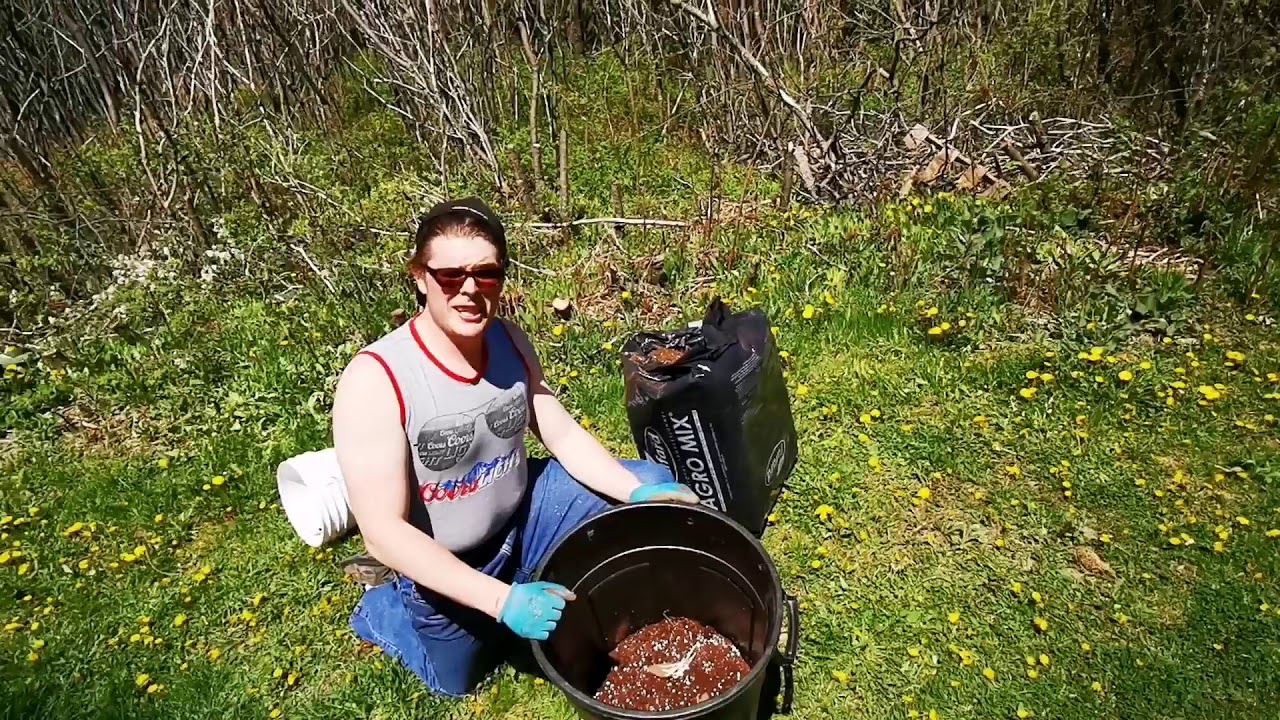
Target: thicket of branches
point(816, 90)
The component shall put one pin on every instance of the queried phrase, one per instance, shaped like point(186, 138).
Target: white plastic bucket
point(315, 497)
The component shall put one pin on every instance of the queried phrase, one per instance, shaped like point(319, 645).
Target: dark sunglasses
point(454, 278)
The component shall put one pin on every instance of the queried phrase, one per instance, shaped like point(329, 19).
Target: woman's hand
point(532, 609)
point(664, 492)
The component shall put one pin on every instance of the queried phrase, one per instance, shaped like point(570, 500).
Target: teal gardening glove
point(533, 609)
point(664, 492)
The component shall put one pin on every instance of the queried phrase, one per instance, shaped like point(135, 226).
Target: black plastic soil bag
point(710, 403)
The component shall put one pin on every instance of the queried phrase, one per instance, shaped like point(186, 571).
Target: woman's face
point(462, 282)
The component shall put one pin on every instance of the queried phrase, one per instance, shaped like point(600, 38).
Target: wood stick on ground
point(530, 268)
point(563, 147)
point(643, 222)
point(806, 172)
point(1016, 156)
point(316, 270)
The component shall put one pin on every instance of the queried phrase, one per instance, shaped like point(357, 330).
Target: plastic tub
point(636, 564)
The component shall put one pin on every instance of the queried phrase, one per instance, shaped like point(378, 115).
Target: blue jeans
point(452, 647)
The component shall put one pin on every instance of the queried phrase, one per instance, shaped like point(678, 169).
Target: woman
point(429, 425)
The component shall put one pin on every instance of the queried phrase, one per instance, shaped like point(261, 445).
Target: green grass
point(229, 379)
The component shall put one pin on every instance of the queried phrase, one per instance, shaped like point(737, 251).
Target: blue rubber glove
point(533, 609)
point(664, 492)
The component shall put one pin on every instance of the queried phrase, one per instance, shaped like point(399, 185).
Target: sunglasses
point(454, 278)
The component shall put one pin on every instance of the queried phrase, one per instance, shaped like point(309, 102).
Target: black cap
point(469, 207)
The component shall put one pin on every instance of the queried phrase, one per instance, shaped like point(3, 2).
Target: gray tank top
point(466, 435)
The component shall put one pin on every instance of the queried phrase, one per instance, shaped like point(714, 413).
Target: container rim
point(758, 667)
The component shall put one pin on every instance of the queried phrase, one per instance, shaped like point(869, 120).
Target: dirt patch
point(670, 665)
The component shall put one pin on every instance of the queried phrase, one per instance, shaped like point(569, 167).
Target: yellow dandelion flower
point(953, 618)
point(142, 680)
point(989, 674)
point(808, 312)
point(1095, 686)
point(824, 512)
point(1028, 393)
point(840, 676)
point(1033, 674)
point(1041, 624)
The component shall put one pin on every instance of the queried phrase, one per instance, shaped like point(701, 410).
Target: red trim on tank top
point(392, 377)
point(484, 359)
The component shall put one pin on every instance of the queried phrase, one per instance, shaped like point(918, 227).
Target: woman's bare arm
point(374, 457)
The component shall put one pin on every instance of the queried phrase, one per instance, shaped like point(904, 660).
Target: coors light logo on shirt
point(480, 476)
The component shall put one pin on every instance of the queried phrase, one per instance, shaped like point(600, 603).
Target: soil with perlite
point(714, 666)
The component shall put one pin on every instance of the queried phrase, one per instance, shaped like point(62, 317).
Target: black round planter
point(632, 566)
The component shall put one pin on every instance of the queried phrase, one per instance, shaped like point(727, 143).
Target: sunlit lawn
point(986, 522)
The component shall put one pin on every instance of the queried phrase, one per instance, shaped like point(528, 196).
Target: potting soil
point(715, 667)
